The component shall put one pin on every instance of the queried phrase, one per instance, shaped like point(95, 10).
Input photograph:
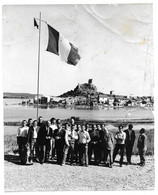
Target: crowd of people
point(73, 143)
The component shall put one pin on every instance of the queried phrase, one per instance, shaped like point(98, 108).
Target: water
point(18, 113)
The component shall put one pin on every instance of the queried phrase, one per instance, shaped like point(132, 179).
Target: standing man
point(84, 139)
point(48, 141)
point(52, 141)
point(22, 141)
point(78, 129)
point(120, 138)
point(59, 135)
point(142, 146)
point(41, 140)
point(93, 146)
point(108, 146)
point(29, 123)
point(70, 137)
point(129, 142)
point(32, 139)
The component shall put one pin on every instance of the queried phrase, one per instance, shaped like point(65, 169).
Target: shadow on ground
point(12, 158)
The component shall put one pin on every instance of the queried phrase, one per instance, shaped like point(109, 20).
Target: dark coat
point(59, 136)
point(129, 141)
point(41, 136)
point(94, 137)
point(30, 134)
point(49, 132)
point(142, 142)
point(107, 140)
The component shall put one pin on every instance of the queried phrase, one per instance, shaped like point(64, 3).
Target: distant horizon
point(65, 92)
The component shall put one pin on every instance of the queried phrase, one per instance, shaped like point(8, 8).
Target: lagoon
point(14, 111)
point(19, 112)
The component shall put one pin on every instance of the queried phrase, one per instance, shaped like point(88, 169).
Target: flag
point(35, 23)
point(58, 45)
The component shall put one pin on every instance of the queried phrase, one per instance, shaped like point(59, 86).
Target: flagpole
point(38, 62)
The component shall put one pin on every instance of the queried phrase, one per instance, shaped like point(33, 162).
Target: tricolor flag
point(58, 45)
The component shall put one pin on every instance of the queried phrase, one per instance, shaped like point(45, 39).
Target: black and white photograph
point(78, 97)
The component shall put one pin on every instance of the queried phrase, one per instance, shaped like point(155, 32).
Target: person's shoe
point(63, 164)
point(27, 163)
point(86, 165)
point(31, 162)
point(120, 165)
point(142, 164)
point(36, 159)
point(106, 164)
point(110, 166)
point(130, 163)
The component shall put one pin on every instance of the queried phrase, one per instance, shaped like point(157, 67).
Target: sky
point(115, 43)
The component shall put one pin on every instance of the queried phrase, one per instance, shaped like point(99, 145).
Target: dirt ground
point(52, 177)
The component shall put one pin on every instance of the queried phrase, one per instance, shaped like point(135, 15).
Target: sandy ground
point(52, 177)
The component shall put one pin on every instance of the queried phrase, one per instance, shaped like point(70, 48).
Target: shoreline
point(108, 121)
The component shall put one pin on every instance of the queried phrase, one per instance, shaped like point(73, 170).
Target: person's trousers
point(83, 154)
point(65, 152)
point(108, 153)
point(59, 152)
point(119, 147)
point(52, 148)
point(23, 149)
point(142, 156)
point(72, 152)
point(93, 148)
point(69, 149)
point(76, 151)
point(48, 148)
point(129, 149)
point(33, 147)
point(42, 153)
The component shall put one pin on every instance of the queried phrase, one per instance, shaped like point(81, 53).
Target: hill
point(83, 90)
point(18, 95)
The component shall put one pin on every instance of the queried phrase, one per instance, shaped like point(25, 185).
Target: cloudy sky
point(114, 42)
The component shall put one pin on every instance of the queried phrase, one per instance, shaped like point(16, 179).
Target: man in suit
point(93, 144)
point(142, 146)
point(49, 136)
point(41, 139)
point(108, 146)
point(59, 136)
point(129, 142)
